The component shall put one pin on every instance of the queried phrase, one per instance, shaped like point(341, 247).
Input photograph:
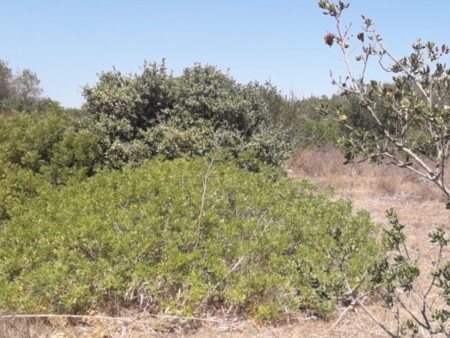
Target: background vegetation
point(170, 193)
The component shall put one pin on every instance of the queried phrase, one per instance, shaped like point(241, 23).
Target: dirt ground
point(374, 188)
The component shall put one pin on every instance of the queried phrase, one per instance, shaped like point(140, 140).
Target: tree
point(26, 92)
point(409, 126)
point(5, 82)
point(20, 91)
point(412, 130)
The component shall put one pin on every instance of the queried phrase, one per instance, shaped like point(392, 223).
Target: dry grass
point(353, 325)
point(359, 180)
point(374, 188)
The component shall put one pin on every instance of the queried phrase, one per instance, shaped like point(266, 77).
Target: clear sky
point(67, 42)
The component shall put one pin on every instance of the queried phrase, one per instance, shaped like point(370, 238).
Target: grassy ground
point(375, 188)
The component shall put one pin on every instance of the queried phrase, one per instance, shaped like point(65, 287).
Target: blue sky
point(67, 42)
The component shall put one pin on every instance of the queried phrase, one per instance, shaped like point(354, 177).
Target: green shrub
point(35, 141)
point(262, 243)
point(299, 118)
point(36, 149)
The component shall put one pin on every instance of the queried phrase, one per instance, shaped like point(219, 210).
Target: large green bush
point(179, 237)
point(155, 113)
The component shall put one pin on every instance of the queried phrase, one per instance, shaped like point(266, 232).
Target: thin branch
point(218, 283)
point(200, 216)
point(376, 320)
point(342, 40)
point(405, 70)
point(343, 313)
point(437, 264)
point(411, 314)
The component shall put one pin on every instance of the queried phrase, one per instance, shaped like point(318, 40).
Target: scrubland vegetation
point(171, 194)
point(196, 197)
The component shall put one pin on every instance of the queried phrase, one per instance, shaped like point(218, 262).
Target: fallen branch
point(128, 319)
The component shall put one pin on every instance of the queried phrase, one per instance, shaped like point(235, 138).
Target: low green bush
point(182, 237)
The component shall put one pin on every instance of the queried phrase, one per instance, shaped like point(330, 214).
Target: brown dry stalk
point(200, 216)
point(128, 319)
point(215, 287)
point(66, 316)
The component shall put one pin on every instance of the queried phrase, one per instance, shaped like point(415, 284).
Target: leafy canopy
point(21, 91)
point(410, 117)
point(156, 113)
point(164, 237)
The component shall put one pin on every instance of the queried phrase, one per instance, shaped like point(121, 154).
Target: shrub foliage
point(35, 149)
point(197, 219)
point(179, 237)
point(156, 113)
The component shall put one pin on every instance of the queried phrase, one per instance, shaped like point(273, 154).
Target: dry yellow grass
point(375, 188)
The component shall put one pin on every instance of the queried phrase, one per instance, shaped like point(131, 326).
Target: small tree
point(26, 90)
point(408, 126)
point(21, 91)
point(410, 117)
